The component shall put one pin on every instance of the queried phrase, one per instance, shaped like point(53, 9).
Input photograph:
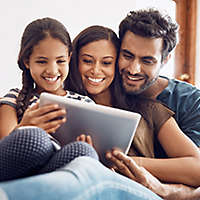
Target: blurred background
point(75, 15)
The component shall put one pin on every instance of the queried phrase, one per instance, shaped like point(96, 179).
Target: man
point(147, 40)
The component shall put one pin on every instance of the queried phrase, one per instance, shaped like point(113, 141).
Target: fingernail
point(56, 106)
point(64, 111)
point(115, 153)
point(108, 155)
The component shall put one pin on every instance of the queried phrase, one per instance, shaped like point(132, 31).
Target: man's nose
point(135, 67)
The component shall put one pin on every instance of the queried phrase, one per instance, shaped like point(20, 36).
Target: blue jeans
point(84, 178)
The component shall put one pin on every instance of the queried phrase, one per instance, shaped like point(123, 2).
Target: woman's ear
point(26, 63)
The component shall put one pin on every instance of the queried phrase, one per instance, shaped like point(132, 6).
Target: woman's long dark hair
point(88, 35)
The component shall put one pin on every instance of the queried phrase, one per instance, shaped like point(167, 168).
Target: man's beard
point(139, 91)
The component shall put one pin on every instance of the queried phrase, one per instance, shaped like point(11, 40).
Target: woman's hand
point(128, 167)
point(48, 117)
point(85, 138)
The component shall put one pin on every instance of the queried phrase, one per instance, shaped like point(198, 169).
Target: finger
point(52, 116)
point(129, 162)
point(45, 109)
point(121, 167)
point(78, 138)
point(83, 137)
point(89, 140)
point(53, 125)
point(52, 130)
point(34, 106)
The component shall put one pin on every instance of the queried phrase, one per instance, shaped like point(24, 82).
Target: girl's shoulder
point(79, 97)
point(10, 98)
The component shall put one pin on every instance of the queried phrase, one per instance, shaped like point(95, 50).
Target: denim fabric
point(84, 178)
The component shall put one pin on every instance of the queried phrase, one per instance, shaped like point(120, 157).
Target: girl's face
point(97, 66)
point(48, 65)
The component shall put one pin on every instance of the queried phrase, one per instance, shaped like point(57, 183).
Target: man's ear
point(165, 61)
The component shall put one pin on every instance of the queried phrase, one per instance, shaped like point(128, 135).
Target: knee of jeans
point(3, 195)
point(87, 168)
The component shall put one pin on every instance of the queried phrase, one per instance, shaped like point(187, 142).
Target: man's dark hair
point(151, 23)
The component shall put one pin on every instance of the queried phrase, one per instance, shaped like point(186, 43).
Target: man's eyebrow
point(149, 58)
point(127, 52)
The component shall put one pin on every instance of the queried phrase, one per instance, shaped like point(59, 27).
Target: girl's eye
point(87, 61)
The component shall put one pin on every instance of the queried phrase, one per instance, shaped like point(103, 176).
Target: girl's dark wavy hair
point(151, 23)
point(88, 35)
point(35, 32)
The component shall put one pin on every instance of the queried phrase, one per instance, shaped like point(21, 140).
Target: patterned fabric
point(26, 150)
point(67, 154)
point(22, 151)
point(11, 97)
point(184, 100)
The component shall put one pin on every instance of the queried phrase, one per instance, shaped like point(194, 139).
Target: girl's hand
point(128, 167)
point(85, 138)
point(48, 117)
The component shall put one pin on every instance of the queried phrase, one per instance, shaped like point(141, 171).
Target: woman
point(93, 72)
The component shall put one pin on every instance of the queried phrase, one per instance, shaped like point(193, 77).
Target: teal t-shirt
point(184, 99)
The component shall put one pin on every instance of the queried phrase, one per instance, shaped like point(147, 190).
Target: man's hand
point(128, 167)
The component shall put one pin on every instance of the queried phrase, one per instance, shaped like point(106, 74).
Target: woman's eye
point(107, 63)
point(61, 61)
point(87, 61)
point(41, 61)
point(128, 57)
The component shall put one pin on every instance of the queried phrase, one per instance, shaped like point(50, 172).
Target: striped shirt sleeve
point(10, 98)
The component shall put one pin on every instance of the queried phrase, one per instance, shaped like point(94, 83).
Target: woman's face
point(97, 66)
point(48, 65)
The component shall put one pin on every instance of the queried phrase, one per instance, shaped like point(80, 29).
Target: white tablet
point(108, 127)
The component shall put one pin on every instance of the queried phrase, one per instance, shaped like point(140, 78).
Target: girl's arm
point(45, 117)
point(8, 120)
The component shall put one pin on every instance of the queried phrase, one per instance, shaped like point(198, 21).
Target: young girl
point(43, 58)
point(93, 71)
